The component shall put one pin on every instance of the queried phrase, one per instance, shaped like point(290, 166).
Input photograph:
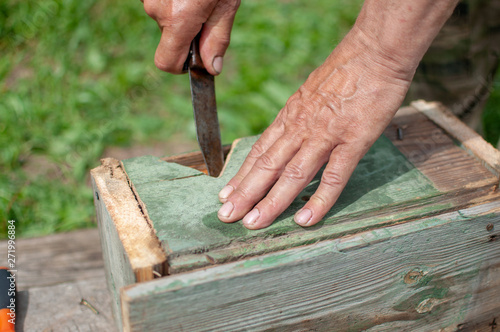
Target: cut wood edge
point(471, 141)
point(137, 236)
point(194, 159)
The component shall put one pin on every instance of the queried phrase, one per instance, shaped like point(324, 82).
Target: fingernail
point(251, 217)
point(217, 64)
point(226, 209)
point(225, 192)
point(303, 217)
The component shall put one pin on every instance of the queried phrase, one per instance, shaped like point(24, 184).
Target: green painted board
point(438, 273)
point(183, 203)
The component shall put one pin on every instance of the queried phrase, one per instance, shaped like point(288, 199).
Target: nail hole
point(493, 237)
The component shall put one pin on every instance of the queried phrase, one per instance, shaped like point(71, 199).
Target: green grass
point(77, 76)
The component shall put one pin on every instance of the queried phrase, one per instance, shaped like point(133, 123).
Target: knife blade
point(205, 111)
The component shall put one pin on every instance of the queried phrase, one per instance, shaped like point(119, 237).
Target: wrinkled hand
point(334, 117)
point(181, 20)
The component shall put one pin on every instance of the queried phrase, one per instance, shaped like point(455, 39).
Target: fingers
point(266, 140)
point(180, 22)
point(216, 35)
point(264, 173)
point(173, 50)
point(341, 164)
point(296, 176)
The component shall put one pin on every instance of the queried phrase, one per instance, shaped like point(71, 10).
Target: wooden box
point(412, 244)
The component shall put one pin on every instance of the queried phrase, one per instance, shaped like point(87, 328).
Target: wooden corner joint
point(143, 248)
point(472, 142)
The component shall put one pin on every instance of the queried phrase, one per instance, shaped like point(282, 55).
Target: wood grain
point(194, 159)
point(53, 274)
point(427, 275)
point(58, 308)
point(115, 196)
point(472, 141)
point(435, 153)
point(130, 248)
point(58, 258)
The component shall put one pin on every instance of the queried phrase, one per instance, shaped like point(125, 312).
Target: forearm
point(401, 31)
point(381, 52)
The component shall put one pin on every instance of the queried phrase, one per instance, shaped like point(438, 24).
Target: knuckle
point(271, 203)
point(266, 163)
point(331, 178)
point(294, 172)
point(165, 66)
point(320, 200)
point(150, 8)
point(231, 6)
point(241, 193)
point(256, 151)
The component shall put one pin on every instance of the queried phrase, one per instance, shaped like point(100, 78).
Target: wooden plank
point(193, 236)
point(472, 141)
point(58, 258)
point(58, 308)
point(194, 159)
point(184, 211)
point(130, 248)
point(435, 153)
point(53, 274)
point(431, 274)
point(114, 196)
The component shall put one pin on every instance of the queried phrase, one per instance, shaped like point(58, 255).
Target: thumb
point(216, 34)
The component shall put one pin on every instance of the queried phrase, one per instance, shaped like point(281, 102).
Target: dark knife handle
point(193, 60)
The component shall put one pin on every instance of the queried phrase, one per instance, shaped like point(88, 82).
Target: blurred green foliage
point(77, 76)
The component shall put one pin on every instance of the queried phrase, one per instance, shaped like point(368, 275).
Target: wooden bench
point(54, 274)
point(411, 244)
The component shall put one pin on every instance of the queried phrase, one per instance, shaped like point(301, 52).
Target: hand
point(336, 115)
point(181, 20)
point(334, 118)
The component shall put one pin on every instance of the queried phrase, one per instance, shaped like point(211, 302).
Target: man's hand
point(181, 20)
point(335, 116)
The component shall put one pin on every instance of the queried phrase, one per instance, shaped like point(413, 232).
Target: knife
point(205, 111)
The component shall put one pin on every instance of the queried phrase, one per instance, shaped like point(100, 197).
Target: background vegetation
point(77, 82)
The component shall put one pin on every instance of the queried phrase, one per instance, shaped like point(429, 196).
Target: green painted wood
point(441, 272)
point(149, 169)
point(183, 205)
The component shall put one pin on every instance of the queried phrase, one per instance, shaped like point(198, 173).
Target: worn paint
point(184, 210)
point(317, 287)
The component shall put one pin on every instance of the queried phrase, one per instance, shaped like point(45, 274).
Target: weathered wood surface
point(453, 181)
point(472, 141)
point(434, 152)
point(54, 273)
point(384, 189)
point(194, 159)
point(130, 248)
point(58, 258)
point(438, 273)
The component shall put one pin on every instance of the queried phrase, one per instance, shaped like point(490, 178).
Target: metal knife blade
point(205, 111)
